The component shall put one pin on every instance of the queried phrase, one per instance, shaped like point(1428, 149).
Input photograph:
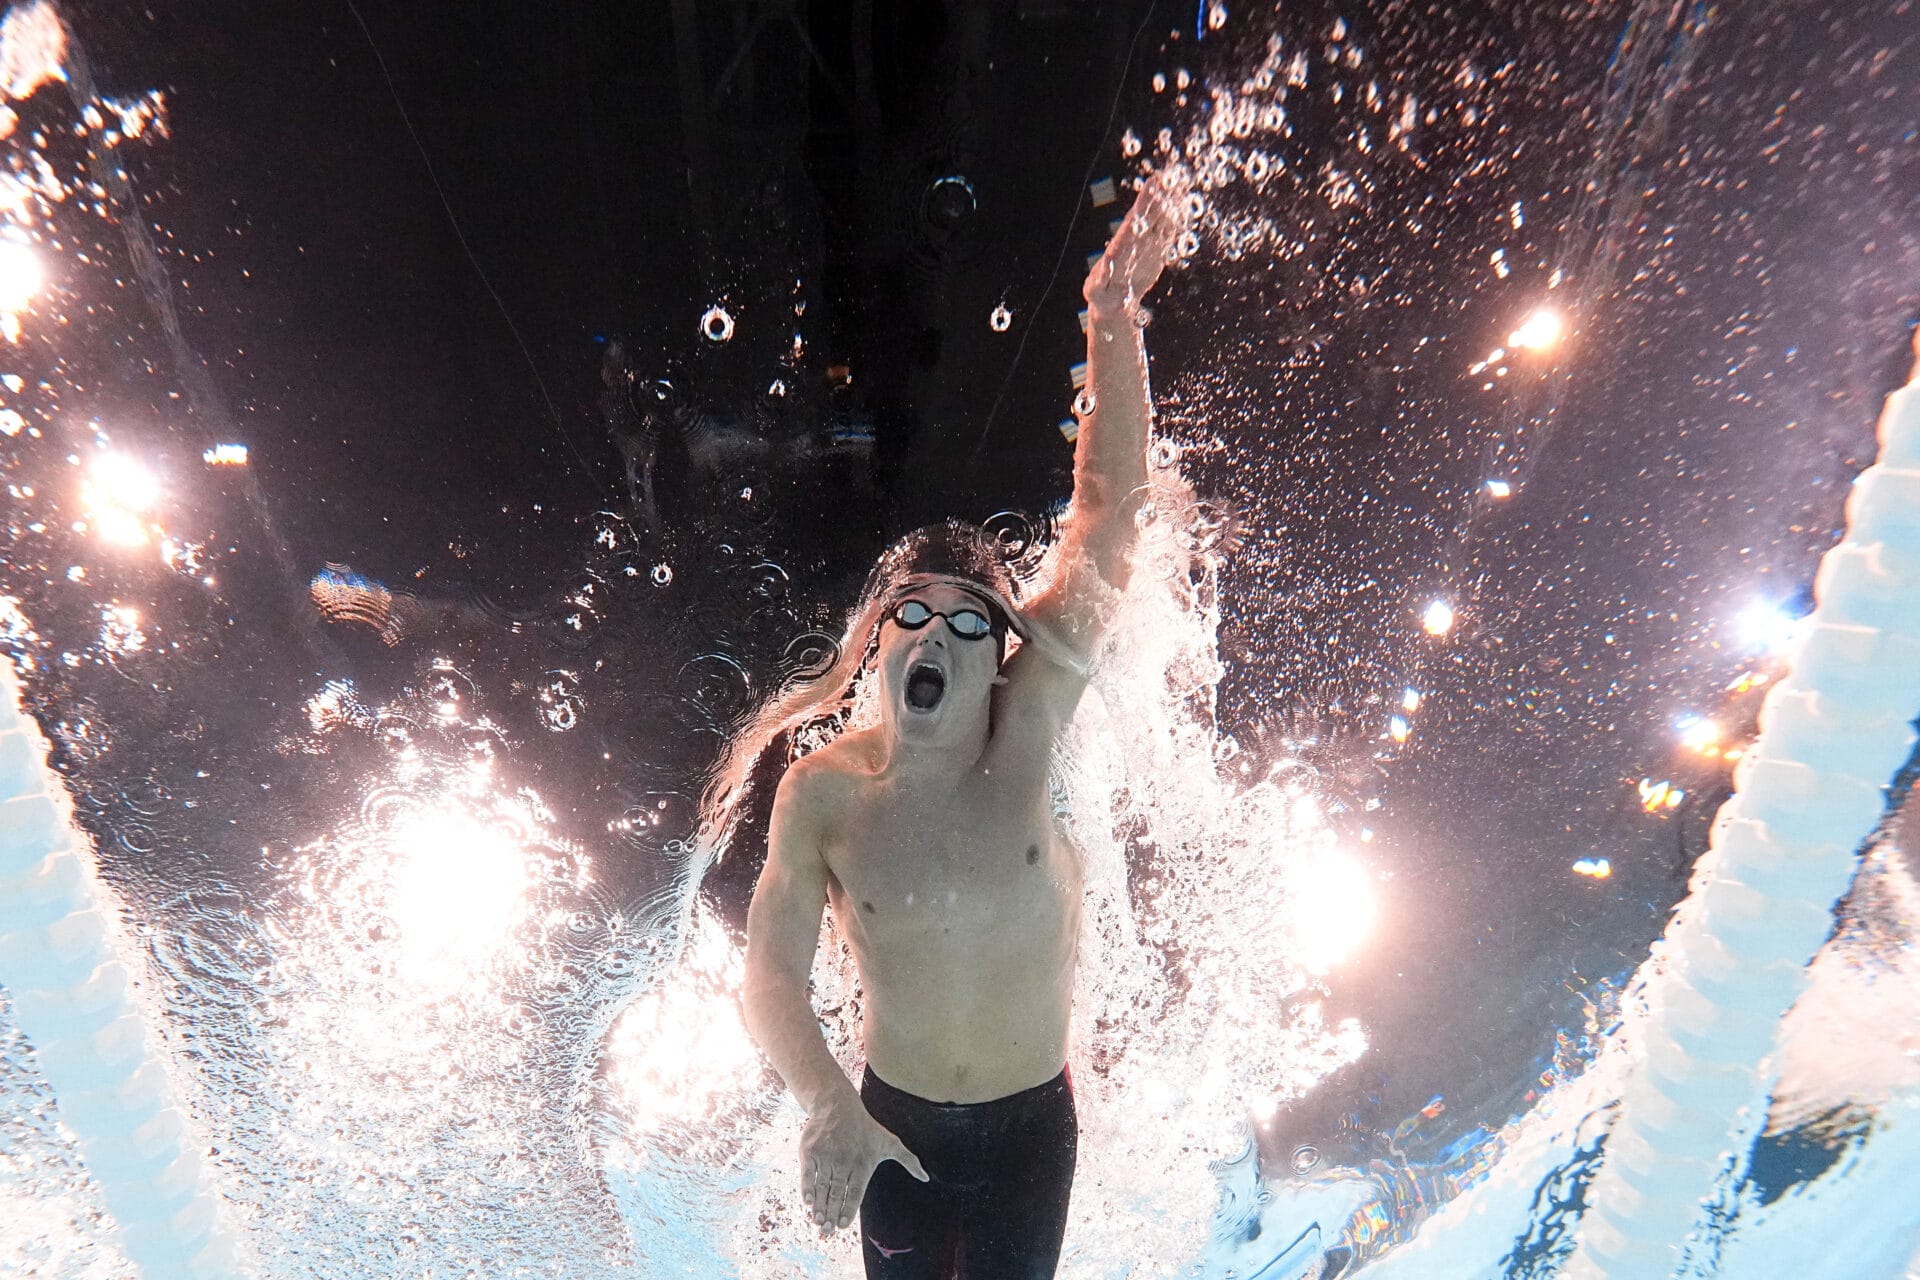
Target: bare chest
point(971, 867)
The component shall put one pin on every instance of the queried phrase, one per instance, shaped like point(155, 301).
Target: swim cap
point(954, 553)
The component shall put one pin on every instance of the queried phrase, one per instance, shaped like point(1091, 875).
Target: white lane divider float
point(1809, 793)
point(71, 997)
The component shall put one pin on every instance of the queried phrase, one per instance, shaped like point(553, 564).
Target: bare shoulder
point(815, 785)
point(803, 788)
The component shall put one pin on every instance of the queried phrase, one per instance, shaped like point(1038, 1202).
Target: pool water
point(424, 447)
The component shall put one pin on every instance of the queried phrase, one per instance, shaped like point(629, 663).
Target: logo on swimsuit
point(886, 1252)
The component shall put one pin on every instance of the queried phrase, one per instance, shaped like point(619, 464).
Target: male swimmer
point(931, 835)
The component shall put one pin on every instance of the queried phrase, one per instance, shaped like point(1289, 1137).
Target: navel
point(1033, 855)
point(868, 906)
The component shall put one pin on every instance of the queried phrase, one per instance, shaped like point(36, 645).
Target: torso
point(961, 904)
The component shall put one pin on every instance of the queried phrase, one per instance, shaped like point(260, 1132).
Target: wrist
point(837, 1102)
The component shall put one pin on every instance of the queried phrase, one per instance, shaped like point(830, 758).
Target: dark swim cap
point(956, 554)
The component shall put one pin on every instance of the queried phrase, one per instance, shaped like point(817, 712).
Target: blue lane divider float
point(1809, 793)
point(71, 996)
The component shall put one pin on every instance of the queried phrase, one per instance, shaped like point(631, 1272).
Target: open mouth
point(926, 685)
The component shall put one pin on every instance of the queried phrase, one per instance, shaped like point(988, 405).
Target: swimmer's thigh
point(1013, 1227)
point(906, 1226)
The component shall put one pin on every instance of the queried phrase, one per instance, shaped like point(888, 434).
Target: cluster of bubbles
point(422, 985)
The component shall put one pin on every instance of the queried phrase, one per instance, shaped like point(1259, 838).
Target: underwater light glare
point(458, 889)
point(1767, 627)
point(1538, 331)
point(1334, 910)
point(117, 493)
point(682, 1050)
point(20, 275)
point(1697, 733)
point(1438, 618)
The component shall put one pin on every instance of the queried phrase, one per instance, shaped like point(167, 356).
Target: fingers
point(838, 1212)
point(824, 1189)
point(818, 1185)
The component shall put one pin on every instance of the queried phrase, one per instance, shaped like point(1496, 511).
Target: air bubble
point(1001, 320)
point(810, 655)
point(950, 201)
point(662, 574)
point(1083, 404)
point(716, 325)
point(1304, 1158)
point(560, 701)
point(766, 580)
point(778, 388)
point(1164, 453)
point(1012, 533)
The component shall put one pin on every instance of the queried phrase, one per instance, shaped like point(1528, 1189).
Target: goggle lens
point(968, 624)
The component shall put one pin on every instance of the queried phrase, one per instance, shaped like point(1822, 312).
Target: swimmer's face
point(929, 673)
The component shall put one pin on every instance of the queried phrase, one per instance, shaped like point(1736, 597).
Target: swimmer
point(931, 836)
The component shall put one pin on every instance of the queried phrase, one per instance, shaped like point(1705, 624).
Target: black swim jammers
point(996, 1208)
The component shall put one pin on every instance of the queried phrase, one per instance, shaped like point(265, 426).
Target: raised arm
point(842, 1144)
point(1110, 452)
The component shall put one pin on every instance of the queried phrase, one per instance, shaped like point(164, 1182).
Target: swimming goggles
point(968, 624)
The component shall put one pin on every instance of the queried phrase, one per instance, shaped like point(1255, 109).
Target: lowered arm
point(783, 929)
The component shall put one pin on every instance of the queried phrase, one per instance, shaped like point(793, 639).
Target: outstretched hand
point(1142, 247)
point(839, 1150)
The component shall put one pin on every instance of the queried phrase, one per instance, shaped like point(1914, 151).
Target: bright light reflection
point(1655, 796)
point(1595, 868)
point(20, 275)
point(1499, 488)
point(1539, 331)
point(1333, 910)
point(117, 494)
point(459, 887)
point(682, 1051)
point(1768, 627)
point(1697, 733)
point(1438, 619)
